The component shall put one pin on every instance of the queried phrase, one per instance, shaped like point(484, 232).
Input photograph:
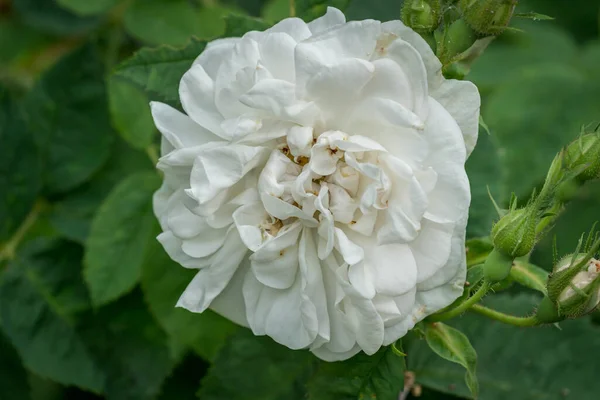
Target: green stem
point(9, 249)
point(152, 153)
point(292, 8)
point(505, 318)
point(462, 307)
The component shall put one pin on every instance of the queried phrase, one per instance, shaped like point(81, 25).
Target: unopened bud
point(456, 38)
point(575, 285)
point(488, 17)
point(515, 233)
point(584, 155)
point(422, 15)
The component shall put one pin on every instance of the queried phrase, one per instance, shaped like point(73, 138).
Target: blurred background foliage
point(86, 293)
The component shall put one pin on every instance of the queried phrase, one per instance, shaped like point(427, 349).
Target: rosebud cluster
point(422, 15)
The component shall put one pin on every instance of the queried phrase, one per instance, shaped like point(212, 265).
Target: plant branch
point(462, 307)
point(292, 8)
point(505, 318)
point(8, 251)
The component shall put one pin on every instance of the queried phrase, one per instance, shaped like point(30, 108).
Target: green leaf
point(163, 281)
point(260, 368)
point(382, 10)
point(20, 167)
point(19, 42)
point(507, 58)
point(276, 10)
point(534, 16)
point(67, 112)
point(87, 7)
point(130, 347)
point(13, 377)
point(48, 16)
point(516, 363)
point(238, 25)
point(38, 295)
point(119, 237)
point(380, 376)
point(529, 275)
point(159, 70)
point(173, 22)
point(484, 171)
point(130, 113)
point(558, 101)
point(182, 384)
point(478, 250)
point(72, 215)
point(452, 345)
point(311, 9)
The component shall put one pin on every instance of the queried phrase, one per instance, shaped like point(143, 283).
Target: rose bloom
point(316, 182)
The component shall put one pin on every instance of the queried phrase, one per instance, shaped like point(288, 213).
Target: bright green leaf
point(119, 238)
point(130, 113)
point(163, 281)
point(173, 22)
point(87, 7)
point(452, 345)
point(159, 70)
point(48, 16)
point(20, 168)
point(68, 114)
point(128, 344)
point(251, 368)
point(37, 298)
point(72, 214)
point(380, 376)
point(529, 275)
point(13, 377)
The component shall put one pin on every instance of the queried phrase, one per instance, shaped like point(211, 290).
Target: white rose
point(317, 182)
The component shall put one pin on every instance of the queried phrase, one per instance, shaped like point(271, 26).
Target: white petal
point(432, 63)
point(431, 248)
point(356, 39)
point(294, 27)
point(220, 168)
point(282, 210)
point(178, 128)
point(450, 199)
point(197, 94)
point(230, 302)
point(461, 99)
point(277, 55)
point(392, 267)
point(172, 246)
point(247, 221)
point(332, 18)
point(206, 243)
point(350, 251)
point(209, 282)
point(213, 55)
point(271, 95)
point(275, 263)
point(300, 140)
point(284, 315)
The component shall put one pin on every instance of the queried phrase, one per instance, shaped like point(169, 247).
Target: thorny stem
point(505, 318)
point(7, 252)
point(462, 307)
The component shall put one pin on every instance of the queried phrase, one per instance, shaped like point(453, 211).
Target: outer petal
point(332, 18)
point(210, 281)
point(178, 128)
point(461, 99)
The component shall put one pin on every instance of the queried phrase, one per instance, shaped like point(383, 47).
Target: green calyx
point(488, 17)
point(515, 233)
point(455, 38)
point(547, 312)
point(422, 15)
point(497, 266)
point(584, 155)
